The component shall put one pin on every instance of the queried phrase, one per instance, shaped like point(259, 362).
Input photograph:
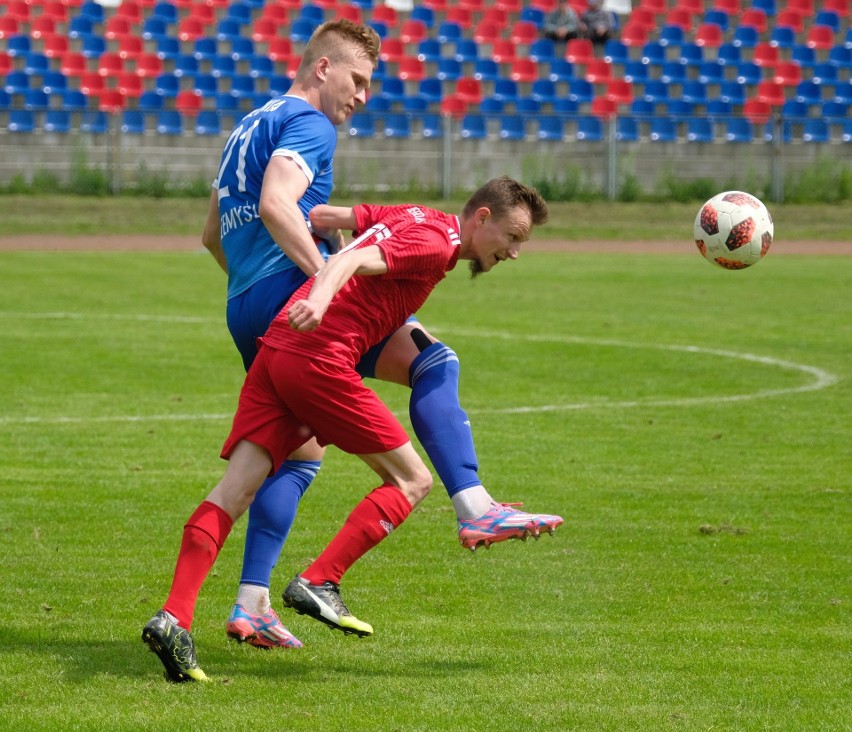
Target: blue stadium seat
point(561, 69)
point(133, 122)
point(492, 106)
point(16, 82)
point(206, 49)
point(261, 67)
point(680, 108)
point(745, 36)
point(809, 92)
point(94, 122)
point(843, 92)
point(635, 72)
point(794, 109)
point(828, 18)
point(732, 92)
point(21, 120)
point(694, 91)
point(663, 129)
point(653, 53)
point(150, 101)
point(466, 51)
point(803, 55)
point(626, 129)
point(93, 46)
point(379, 104)
point(581, 91)
point(397, 125)
point(301, 31)
point(81, 26)
point(279, 84)
point(543, 91)
point(691, 54)
point(362, 124)
point(543, 51)
point(185, 65)
point(835, 111)
point(242, 49)
point(551, 128)
point(699, 129)
point(717, 108)
point(846, 136)
point(423, 13)
point(783, 36)
point(449, 69)
point(513, 127)
point(749, 73)
point(36, 63)
point(728, 55)
point(711, 72)
point(429, 50)
point(739, 129)
point(532, 15)
point(474, 127)
point(816, 130)
point(767, 6)
point(91, 10)
point(673, 73)
point(430, 89)
point(527, 105)
point(223, 66)
point(415, 104)
point(206, 84)
point(242, 86)
point(312, 13)
point(656, 91)
point(153, 28)
point(380, 28)
point(393, 89)
point(671, 35)
point(208, 123)
point(36, 100)
point(642, 108)
point(168, 48)
point(615, 52)
point(227, 29)
point(57, 120)
point(449, 32)
point(840, 56)
point(242, 13)
point(824, 73)
point(169, 122)
point(506, 90)
point(166, 11)
point(432, 125)
point(486, 69)
point(589, 129)
point(718, 17)
point(566, 107)
point(74, 100)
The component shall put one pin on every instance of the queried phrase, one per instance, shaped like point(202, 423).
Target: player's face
point(346, 85)
point(496, 240)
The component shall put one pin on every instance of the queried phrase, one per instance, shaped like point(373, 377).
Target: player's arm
point(211, 236)
point(307, 314)
point(284, 184)
point(327, 219)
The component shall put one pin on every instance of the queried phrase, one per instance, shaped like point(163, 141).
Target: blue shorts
point(250, 313)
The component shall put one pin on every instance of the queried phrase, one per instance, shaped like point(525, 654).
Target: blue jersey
point(288, 126)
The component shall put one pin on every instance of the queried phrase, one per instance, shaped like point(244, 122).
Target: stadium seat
point(486, 69)
point(449, 32)
point(739, 129)
point(824, 73)
point(207, 123)
point(745, 36)
point(663, 129)
point(790, 20)
point(503, 52)
point(432, 126)
point(699, 129)
point(473, 127)
point(580, 91)
point(627, 129)
point(430, 89)
point(589, 129)
point(634, 35)
point(448, 70)
point(828, 19)
point(524, 70)
point(551, 128)
point(429, 50)
point(579, 51)
point(604, 108)
point(506, 91)
point(809, 92)
point(768, 7)
point(95, 122)
point(757, 110)
point(782, 37)
point(543, 91)
point(820, 37)
point(133, 122)
point(21, 120)
point(673, 73)
point(843, 92)
point(794, 109)
point(788, 73)
point(512, 127)
point(749, 73)
point(671, 35)
point(709, 35)
point(57, 120)
point(413, 31)
point(169, 122)
point(542, 51)
point(36, 100)
point(466, 51)
point(653, 54)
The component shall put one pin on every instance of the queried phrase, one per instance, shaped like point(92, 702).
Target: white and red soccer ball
point(733, 230)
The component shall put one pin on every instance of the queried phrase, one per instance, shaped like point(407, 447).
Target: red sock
point(203, 536)
point(373, 519)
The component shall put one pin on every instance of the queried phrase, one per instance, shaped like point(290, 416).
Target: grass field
point(691, 424)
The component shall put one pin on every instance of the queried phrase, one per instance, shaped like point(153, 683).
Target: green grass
point(595, 220)
point(701, 581)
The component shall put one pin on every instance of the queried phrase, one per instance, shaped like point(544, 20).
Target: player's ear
point(321, 68)
point(481, 215)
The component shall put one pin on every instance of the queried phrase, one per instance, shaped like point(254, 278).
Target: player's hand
point(304, 315)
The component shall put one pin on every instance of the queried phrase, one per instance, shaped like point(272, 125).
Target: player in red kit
point(303, 384)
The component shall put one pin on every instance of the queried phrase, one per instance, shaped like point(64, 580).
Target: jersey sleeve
point(420, 251)
point(309, 140)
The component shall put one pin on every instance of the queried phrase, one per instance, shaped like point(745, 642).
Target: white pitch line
point(818, 378)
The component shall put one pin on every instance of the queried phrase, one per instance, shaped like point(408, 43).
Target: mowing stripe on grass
point(818, 378)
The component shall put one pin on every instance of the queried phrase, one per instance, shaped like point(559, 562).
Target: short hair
point(503, 194)
point(335, 39)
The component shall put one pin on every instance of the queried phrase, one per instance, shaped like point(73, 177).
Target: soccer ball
point(733, 230)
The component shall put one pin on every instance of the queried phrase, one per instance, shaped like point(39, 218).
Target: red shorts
point(288, 398)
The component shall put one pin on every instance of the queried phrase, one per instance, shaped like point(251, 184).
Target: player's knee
point(418, 485)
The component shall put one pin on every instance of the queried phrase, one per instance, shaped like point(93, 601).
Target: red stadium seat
point(264, 29)
point(469, 89)
point(190, 29)
point(771, 92)
point(620, 91)
point(91, 83)
point(754, 18)
point(350, 12)
point(453, 106)
point(8, 26)
point(524, 70)
point(42, 27)
point(788, 73)
point(460, 16)
point(487, 32)
point(385, 14)
point(655, 7)
point(55, 46)
point(598, 71)
point(130, 10)
point(680, 18)
point(803, 7)
point(111, 100)
point(392, 50)
point(820, 37)
point(841, 7)
point(524, 32)
point(130, 84)
point(280, 49)
point(148, 65)
point(73, 64)
point(130, 47)
point(504, 52)
point(188, 102)
point(413, 31)
point(709, 35)
point(790, 18)
point(642, 17)
point(634, 35)
point(110, 64)
point(757, 110)
point(411, 68)
point(731, 7)
point(579, 51)
point(604, 107)
point(766, 55)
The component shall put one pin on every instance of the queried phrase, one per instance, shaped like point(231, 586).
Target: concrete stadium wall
point(442, 164)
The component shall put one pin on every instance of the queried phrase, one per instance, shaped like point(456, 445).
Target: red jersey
point(420, 245)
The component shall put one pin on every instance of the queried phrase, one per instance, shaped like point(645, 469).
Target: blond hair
point(335, 40)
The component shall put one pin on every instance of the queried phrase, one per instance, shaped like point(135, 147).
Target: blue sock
point(270, 517)
point(439, 422)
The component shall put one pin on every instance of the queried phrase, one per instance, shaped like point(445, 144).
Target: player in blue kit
point(276, 166)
